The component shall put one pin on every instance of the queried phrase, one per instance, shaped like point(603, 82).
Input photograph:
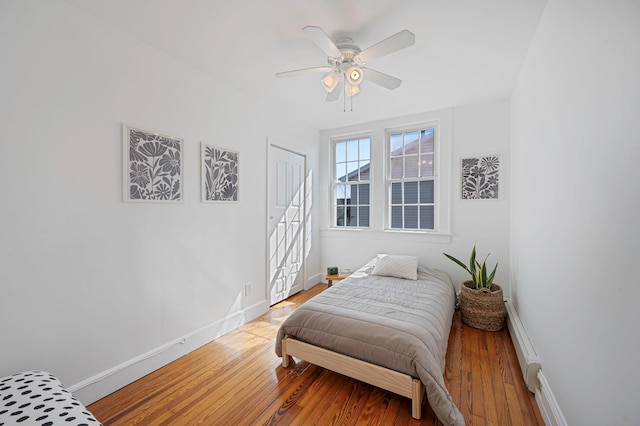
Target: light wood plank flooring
point(237, 380)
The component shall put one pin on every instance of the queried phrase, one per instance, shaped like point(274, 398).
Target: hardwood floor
point(237, 380)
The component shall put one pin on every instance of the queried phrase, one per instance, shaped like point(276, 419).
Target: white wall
point(466, 131)
point(91, 283)
point(574, 206)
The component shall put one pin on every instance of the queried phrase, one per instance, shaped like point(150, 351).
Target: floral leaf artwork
point(152, 166)
point(219, 174)
point(480, 178)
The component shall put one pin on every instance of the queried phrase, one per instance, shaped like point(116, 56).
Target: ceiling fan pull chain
point(352, 103)
point(344, 100)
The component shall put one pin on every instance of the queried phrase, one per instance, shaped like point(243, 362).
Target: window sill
point(377, 234)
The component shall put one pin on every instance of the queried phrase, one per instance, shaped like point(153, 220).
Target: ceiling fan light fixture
point(355, 75)
point(330, 81)
point(351, 90)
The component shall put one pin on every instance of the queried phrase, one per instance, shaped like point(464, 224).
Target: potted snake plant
point(481, 300)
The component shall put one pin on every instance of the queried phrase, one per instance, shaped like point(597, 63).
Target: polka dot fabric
point(37, 398)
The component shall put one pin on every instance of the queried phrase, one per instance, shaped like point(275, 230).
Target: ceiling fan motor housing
point(349, 51)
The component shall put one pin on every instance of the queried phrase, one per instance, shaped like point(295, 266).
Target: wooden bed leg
point(417, 392)
point(286, 359)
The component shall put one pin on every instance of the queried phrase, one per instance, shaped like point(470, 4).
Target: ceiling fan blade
point(335, 94)
point(381, 79)
point(322, 40)
point(303, 71)
point(398, 41)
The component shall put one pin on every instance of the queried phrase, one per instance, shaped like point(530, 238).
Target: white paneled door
point(286, 224)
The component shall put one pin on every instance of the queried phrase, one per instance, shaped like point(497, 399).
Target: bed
point(387, 324)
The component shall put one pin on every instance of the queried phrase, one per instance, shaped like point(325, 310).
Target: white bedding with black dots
point(38, 398)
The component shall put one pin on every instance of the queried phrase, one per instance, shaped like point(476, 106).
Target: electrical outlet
point(247, 289)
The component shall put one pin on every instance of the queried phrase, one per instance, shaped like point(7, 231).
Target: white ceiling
point(466, 51)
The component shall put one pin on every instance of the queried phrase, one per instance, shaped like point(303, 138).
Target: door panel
point(286, 223)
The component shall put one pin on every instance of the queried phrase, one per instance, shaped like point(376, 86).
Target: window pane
point(426, 141)
point(426, 191)
point(426, 217)
point(365, 168)
point(364, 216)
point(396, 168)
point(411, 166)
point(340, 216)
point(411, 217)
point(365, 149)
point(364, 193)
point(352, 150)
point(341, 152)
point(411, 143)
point(426, 165)
point(411, 192)
point(396, 217)
point(395, 145)
point(353, 190)
point(396, 193)
point(341, 172)
point(352, 170)
point(340, 195)
point(352, 219)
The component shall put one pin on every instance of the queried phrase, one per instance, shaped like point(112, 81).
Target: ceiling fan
point(345, 61)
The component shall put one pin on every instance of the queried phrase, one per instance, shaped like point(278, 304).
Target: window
point(411, 179)
point(352, 169)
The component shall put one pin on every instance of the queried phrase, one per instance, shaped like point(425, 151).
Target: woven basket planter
point(482, 309)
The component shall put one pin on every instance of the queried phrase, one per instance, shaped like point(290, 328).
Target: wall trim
point(529, 361)
point(108, 381)
point(385, 234)
point(314, 280)
point(549, 408)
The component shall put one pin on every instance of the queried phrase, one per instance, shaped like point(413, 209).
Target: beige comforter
point(399, 324)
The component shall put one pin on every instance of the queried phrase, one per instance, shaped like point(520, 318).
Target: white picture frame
point(152, 166)
point(220, 176)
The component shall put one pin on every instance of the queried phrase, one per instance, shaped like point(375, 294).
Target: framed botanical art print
point(219, 170)
point(480, 177)
point(152, 166)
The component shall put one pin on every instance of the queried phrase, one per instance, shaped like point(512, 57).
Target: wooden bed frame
point(375, 375)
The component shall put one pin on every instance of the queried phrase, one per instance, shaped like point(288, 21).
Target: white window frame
point(335, 182)
point(436, 178)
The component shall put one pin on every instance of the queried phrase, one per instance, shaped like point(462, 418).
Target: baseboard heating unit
point(527, 357)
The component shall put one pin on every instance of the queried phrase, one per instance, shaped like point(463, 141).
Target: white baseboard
point(549, 408)
point(313, 280)
point(106, 382)
point(530, 364)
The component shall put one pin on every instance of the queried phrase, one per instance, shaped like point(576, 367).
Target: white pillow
point(388, 265)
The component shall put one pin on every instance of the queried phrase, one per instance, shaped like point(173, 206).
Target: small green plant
point(477, 270)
